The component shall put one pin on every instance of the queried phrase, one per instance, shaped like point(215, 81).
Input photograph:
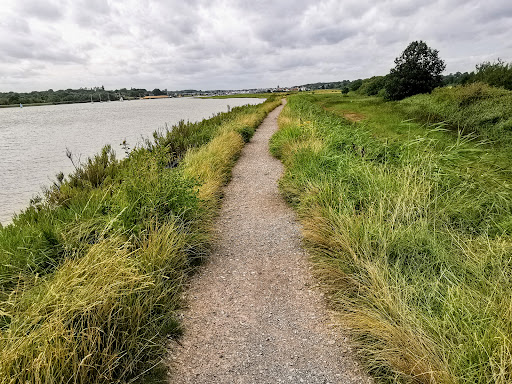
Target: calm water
point(33, 140)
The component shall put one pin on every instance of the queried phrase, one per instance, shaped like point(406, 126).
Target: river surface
point(33, 140)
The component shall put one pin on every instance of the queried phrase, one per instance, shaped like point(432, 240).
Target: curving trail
point(253, 316)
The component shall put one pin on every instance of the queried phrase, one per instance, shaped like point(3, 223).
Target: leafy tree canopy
point(418, 70)
point(157, 92)
point(356, 84)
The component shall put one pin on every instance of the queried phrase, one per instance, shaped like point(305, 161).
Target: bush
point(373, 85)
point(497, 74)
point(356, 84)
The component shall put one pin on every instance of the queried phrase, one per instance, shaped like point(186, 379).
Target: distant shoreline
point(237, 96)
point(56, 103)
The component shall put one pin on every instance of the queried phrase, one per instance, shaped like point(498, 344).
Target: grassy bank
point(475, 108)
point(91, 274)
point(409, 227)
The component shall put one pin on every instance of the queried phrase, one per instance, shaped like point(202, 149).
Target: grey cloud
point(59, 56)
point(331, 35)
point(493, 11)
point(14, 25)
point(31, 51)
point(404, 8)
point(232, 44)
point(352, 9)
point(90, 13)
point(24, 73)
point(46, 10)
point(23, 43)
point(298, 36)
point(173, 24)
point(278, 10)
point(12, 49)
point(296, 61)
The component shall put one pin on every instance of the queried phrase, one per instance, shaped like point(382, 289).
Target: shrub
point(356, 84)
point(497, 74)
point(373, 85)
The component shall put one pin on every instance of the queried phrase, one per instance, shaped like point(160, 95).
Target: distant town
point(100, 94)
point(236, 91)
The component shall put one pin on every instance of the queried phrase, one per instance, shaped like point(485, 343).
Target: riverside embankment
point(92, 275)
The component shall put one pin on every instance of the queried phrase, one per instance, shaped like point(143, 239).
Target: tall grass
point(98, 318)
point(474, 108)
point(412, 240)
point(91, 275)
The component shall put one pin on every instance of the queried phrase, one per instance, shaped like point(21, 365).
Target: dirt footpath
point(253, 316)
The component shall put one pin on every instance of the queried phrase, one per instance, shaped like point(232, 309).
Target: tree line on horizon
point(80, 95)
point(417, 70)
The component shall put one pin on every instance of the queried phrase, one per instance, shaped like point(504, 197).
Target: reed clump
point(411, 238)
point(91, 274)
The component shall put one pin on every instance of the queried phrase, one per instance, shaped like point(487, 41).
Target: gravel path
point(253, 316)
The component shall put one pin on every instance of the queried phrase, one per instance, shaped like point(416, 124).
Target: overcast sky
point(210, 44)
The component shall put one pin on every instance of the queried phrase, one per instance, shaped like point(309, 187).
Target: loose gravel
point(253, 313)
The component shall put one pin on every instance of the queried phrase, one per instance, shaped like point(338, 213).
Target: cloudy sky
point(216, 44)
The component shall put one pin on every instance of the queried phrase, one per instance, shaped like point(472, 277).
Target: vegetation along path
point(253, 316)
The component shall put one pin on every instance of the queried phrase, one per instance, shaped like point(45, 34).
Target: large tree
point(417, 70)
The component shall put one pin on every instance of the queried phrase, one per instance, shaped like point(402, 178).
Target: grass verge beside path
point(410, 231)
point(91, 275)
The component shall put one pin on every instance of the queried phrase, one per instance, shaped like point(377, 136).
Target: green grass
point(410, 231)
point(475, 108)
point(92, 273)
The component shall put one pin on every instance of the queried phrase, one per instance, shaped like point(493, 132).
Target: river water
point(33, 140)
